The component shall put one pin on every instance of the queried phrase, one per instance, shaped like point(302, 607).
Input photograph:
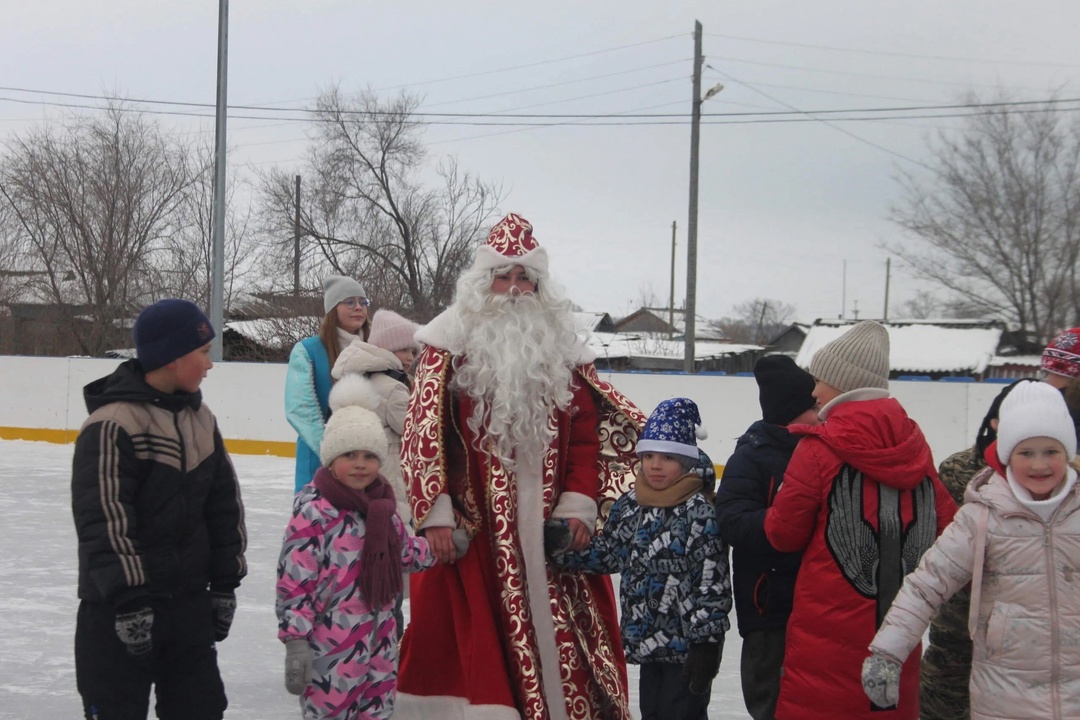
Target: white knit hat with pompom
point(352, 424)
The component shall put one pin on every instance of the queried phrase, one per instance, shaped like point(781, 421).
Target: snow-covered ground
point(38, 601)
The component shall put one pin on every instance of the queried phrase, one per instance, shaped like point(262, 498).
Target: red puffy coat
point(862, 499)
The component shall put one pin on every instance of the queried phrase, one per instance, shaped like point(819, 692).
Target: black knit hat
point(167, 330)
point(784, 389)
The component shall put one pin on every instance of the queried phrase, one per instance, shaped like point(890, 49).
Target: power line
point(558, 84)
point(532, 64)
point(830, 124)
point(452, 116)
point(850, 73)
point(888, 53)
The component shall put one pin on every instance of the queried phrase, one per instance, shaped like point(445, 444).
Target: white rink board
point(46, 393)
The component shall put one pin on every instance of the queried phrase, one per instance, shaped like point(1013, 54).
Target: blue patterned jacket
point(675, 587)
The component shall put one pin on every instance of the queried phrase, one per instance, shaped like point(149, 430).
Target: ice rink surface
point(38, 601)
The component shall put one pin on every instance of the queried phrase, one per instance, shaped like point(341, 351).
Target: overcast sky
point(783, 205)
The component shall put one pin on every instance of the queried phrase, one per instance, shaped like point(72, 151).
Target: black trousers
point(664, 695)
point(762, 658)
point(181, 666)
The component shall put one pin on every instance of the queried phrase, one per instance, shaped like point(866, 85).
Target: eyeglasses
point(355, 302)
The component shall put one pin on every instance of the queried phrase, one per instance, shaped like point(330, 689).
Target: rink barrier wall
point(41, 399)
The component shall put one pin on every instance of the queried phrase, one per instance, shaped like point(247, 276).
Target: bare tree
point(757, 321)
point(366, 211)
point(998, 223)
point(90, 199)
point(183, 263)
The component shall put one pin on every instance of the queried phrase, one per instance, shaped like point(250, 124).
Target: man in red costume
point(510, 428)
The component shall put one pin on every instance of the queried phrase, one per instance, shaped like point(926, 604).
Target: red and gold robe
point(477, 635)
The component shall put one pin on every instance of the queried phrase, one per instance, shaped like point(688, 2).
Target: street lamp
point(690, 310)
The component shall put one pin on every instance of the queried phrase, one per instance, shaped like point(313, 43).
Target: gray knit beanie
point(857, 359)
point(337, 288)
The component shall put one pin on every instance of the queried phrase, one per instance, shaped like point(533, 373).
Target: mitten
point(881, 679)
point(701, 666)
point(557, 537)
point(223, 606)
point(461, 541)
point(133, 628)
point(298, 662)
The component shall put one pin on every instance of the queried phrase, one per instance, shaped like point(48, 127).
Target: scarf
point(676, 494)
point(380, 562)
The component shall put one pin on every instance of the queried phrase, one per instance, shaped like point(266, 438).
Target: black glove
point(223, 607)
point(134, 627)
point(701, 666)
point(557, 537)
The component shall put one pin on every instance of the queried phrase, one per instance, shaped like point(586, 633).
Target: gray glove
point(134, 630)
point(461, 541)
point(881, 679)
point(223, 605)
point(298, 665)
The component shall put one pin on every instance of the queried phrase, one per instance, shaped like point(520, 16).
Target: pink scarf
point(380, 562)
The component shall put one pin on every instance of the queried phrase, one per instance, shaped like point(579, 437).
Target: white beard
point(515, 359)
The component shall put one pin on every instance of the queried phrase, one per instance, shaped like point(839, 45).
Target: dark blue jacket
point(764, 579)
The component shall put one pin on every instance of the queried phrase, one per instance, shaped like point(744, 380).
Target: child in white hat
point(340, 572)
point(1016, 539)
point(384, 359)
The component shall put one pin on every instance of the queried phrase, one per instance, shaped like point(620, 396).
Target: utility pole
point(296, 242)
point(217, 291)
point(690, 307)
point(885, 314)
point(843, 292)
point(671, 295)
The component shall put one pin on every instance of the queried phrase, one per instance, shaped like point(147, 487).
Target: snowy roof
point(621, 345)
point(1031, 361)
point(588, 321)
point(269, 332)
point(920, 346)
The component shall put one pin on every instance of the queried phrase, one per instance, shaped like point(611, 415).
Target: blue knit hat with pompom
point(673, 429)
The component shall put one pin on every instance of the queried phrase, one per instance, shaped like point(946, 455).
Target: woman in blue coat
point(308, 381)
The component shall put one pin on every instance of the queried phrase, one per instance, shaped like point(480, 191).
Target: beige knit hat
point(352, 424)
point(857, 359)
point(392, 332)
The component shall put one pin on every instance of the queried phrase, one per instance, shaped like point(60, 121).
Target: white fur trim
point(856, 395)
point(488, 258)
point(440, 515)
point(356, 390)
point(667, 447)
point(448, 707)
point(578, 506)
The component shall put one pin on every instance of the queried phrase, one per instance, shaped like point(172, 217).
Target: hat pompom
point(701, 432)
point(353, 389)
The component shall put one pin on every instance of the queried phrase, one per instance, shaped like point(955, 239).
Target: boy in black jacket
point(764, 579)
point(161, 529)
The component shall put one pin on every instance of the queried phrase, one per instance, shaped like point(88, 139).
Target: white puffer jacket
point(1026, 630)
point(366, 359)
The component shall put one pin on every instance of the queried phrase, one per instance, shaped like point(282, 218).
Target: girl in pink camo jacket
point(342, 559)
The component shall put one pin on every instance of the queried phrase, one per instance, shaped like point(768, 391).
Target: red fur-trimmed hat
point(511, 242)
point(1062, 355)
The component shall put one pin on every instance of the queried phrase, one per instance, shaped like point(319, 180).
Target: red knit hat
point(511, 242)
point(1062, 355)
